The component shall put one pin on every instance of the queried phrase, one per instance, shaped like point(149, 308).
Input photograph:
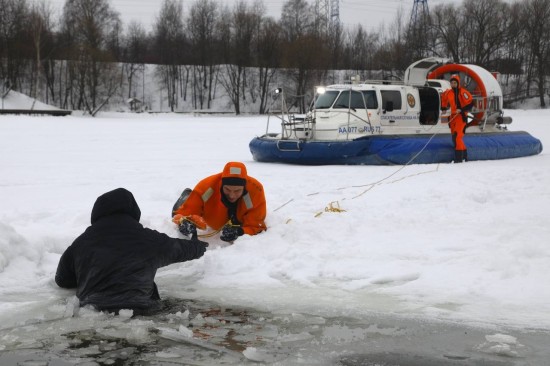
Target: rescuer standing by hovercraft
point(460, 101)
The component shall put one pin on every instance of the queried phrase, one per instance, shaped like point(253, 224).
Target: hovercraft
point(395, 122)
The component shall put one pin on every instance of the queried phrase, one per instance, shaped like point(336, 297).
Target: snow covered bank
point(464, 242)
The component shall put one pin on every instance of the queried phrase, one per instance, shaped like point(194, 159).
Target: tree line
point(86, 57)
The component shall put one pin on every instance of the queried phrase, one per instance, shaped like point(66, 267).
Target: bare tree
point(393, 55)
point(244, 23)
point(296, 19)
point(13, 14)
point(201, 25)
point(360, 49)
point(536, 16)
point(169, 45)
point(510, 62)
point(303, 49)
point(268, 53)
point(90, 25)
point(486, 22)
point(449, 25)
point(335, 43)
point(135, 51)
point(40, 27)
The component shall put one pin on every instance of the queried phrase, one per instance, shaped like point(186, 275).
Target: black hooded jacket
point(113, 263)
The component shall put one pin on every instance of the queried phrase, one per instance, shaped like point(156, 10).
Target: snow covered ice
point(418, 256)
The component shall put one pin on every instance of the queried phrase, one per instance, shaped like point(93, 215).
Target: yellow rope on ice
point(331, 208)
point(212, 233)
point(207, 235)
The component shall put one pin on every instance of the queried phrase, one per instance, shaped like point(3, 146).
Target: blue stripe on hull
point(390, 150)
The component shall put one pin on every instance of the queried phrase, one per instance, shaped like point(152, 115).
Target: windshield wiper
point(345, 106)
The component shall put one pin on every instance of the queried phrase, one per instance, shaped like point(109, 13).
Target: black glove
point(231, 233)
point(200, 247)
point(188, 229)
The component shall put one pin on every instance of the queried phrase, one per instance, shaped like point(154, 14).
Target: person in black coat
point(113, 263)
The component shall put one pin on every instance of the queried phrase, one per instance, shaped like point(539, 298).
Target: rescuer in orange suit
point(230, 201)
point(461, 102)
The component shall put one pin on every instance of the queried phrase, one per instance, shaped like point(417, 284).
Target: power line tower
point(335, 11)
point(419, 13)
point(328, 12)
point(322, 15)
point(419, 28)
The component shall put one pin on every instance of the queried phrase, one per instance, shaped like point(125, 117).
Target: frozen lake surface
point(198, 333)
point(440, 264)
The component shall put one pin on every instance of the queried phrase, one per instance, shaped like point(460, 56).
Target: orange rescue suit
point(458, 98)
point(205, 200)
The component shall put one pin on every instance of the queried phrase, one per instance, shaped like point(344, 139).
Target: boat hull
point(394, 149)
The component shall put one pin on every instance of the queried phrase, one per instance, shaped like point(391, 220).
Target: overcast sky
point(369, 13)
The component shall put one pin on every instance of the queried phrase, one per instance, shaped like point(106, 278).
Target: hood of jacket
point(457, 78)
point(234, 174)
point(118, 201)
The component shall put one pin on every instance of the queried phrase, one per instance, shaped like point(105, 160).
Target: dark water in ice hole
point(190, 332)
